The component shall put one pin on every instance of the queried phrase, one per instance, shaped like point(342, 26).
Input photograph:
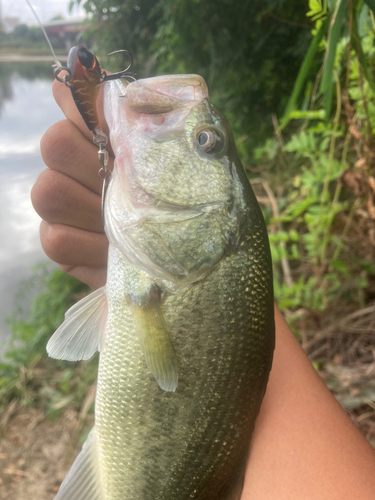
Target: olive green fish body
point(187, 345)
point(189, 443)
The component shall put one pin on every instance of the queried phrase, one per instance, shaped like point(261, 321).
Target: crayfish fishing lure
point(83, 76)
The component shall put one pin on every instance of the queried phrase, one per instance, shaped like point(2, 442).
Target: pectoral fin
point(155, 340)
point(82, 332)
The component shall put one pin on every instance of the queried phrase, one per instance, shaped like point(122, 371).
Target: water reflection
point(27, 110)
point(18, 70)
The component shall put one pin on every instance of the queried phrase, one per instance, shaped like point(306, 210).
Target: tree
point(249, 52)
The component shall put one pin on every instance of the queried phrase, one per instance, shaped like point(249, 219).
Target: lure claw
point(120, 74)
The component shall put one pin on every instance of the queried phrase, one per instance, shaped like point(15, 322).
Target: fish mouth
point(164, 94)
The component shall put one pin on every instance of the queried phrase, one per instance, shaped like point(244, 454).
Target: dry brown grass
point(344, 352)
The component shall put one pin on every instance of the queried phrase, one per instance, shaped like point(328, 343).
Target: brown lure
point(86, 77)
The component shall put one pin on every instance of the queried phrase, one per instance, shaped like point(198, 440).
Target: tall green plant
point(322, 232)
point(339, 24)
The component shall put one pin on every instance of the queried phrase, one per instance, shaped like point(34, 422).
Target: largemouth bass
point(184, 324)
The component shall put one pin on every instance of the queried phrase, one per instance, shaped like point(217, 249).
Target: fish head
point(176, 198)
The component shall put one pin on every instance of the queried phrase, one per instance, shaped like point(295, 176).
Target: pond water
point(27, 109)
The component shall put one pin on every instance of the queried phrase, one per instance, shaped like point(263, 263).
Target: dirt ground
point(35, 454)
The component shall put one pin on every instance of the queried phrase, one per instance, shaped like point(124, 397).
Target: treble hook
point(84, 77)
point(120, 74)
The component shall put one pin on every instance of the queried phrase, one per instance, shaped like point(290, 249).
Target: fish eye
point(210, 141)
point(85, 58)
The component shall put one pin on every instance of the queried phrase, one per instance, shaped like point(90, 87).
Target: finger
point(58, 199)
point(65, 100)
point(93, 277)
point(65, 149)
point(72, 247)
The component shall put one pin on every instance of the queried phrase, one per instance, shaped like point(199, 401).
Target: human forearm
point(304, 445)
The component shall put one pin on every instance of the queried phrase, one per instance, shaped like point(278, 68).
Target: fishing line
point(57, 62)
point(83, 77)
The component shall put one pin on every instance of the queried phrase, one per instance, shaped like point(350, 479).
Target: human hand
point(67, 195)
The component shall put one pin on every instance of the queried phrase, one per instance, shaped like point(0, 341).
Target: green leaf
point(334, 34)
point(293, 234)
point(317, 10)
point(318, 114)
point(371, 4)
point(339, 265)
point(294, 252)
point(282, 236)
point(362, 59)
point(303, 72)
point(364, 21)
point(274, 253)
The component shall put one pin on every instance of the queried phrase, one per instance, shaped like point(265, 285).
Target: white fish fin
point(155, 341)
point(82, 332)
point(83, 479)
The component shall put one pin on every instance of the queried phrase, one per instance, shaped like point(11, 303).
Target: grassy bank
point(27, 375)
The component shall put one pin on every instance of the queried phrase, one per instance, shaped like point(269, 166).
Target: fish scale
point(189, 334)
point(149, 401)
